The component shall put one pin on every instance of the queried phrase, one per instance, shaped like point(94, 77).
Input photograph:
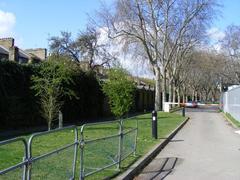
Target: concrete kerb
point(146, 159)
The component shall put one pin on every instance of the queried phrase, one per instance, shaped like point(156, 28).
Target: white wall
point(231, 102)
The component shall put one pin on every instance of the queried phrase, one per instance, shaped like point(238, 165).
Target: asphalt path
point(207, 148)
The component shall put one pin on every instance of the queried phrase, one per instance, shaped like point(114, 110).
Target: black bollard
point(183, 111)
point(154, 124)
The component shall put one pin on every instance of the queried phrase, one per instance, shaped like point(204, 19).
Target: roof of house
point(3, 50)
point(23, 54)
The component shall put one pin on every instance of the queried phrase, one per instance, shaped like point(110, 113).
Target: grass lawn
point(59, 166)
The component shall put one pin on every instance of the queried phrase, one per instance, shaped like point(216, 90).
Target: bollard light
point(154, 124)
point(183, 111)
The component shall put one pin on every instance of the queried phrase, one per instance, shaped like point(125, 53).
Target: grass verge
point(58, 166)
point(232, 120)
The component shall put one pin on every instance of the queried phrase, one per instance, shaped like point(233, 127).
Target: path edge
point(229, 121)
point(135, 169)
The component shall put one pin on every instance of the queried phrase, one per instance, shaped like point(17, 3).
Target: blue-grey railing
point(112, 149)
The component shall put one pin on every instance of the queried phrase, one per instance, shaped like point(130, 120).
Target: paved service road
point(207, 148)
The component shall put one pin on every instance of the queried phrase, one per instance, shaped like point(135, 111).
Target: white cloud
point(215, 34)
point(7, 23)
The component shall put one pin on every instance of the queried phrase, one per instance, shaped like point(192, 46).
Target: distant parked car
point(191, 104)
point(200, 103)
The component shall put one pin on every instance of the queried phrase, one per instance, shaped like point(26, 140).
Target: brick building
point(8, 51)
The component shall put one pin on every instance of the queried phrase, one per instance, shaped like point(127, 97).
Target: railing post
point(25, 158)
point(24, 169)
point(75, 151)
point(29, 157)
point(154, 124)
point(29, 173)
point(135, 146)
point(81, 145)
point(120, 144)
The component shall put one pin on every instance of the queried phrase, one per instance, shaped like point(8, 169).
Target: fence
point(230, 102)
point(81, 153)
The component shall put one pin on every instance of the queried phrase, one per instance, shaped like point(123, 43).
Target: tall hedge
point(89, 104)
point(18, 105)
point(20, 108)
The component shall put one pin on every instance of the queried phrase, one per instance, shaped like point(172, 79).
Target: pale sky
point(32, 22)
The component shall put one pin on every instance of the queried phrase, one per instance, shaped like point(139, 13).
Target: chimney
point(7, 42)
point(13, 53)
point(41, 53)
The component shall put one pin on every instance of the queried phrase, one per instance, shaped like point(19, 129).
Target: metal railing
point(41, 162)
point(60, 160)
point(18, 169)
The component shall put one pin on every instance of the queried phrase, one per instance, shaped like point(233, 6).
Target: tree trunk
point(204, 97)
point(184, 94)
point(170, 92)
point(221, 85)
point(196, 95)
point(49, 125)
point(207, 98)
point(184, 98)
point(174, 95)
point(178, 96)
point(164, 87)
point(157, 104)
point(193, 95)
point(60, 119)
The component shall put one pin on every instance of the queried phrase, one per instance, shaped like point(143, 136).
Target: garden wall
point(230, 102)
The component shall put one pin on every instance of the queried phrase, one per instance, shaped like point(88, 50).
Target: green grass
point(176, 108)
point(97, 153)
point(232, 119)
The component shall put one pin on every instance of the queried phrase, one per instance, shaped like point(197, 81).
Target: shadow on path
point(163, 167)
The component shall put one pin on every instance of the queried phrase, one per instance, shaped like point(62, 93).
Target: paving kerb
point(146, 159)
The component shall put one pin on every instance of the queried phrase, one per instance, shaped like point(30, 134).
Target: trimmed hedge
point(18, 105)
point(20, 108)
point(90, 99)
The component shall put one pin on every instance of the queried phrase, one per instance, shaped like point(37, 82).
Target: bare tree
point(231, 47)
point(65, 45)
point(205, 71)
point(86, 47)
point(180, 59)
point(158, 28)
